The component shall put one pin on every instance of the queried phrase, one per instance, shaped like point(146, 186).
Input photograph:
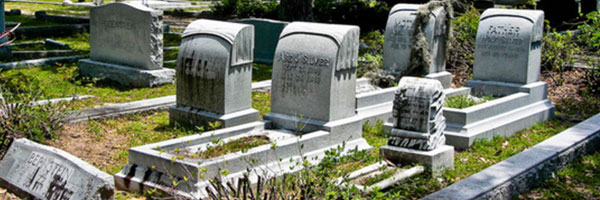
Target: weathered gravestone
point(314, 75)
point(214, 74)
point(417, 132)
point(126, 46)
point(400, 58)
point(35, 171)
point(266, 40)
point(508, 46)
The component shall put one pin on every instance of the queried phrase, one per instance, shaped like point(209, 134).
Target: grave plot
point(303, 123)
point(507, 67)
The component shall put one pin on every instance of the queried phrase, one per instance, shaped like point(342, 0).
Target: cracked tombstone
point(36, 171)
point(400, 43)
point(126, 46)
point(417, 131)
point(214, 74)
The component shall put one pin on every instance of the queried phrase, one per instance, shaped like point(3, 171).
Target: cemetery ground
point(105, 143)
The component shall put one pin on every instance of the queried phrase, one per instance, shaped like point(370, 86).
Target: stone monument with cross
point(399, 46)
point(417, 128)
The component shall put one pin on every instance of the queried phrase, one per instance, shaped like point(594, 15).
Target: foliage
point(370, 59)
point(20, 86)
point(35, 122)
point(593, 79)
point(590, 32)
point(241, 144)
point(558, 53)
point(460, 53)
point(246, 8)
point(464, 101)
point(369, 15)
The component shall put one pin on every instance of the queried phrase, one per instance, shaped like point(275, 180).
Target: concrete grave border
point(519, 172)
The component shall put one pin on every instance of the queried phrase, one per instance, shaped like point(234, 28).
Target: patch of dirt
point(97, 150)
point(569, 96)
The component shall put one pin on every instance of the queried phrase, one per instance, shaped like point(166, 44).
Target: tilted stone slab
point(314, 73)
point(36, 171)
point(127, 34)
point(508, 46)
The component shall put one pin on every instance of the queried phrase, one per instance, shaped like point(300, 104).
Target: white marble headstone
point(509, 46)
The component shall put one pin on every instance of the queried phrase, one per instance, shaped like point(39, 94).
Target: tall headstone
point(214, 74)
point(508, 46)
point(417, 132)
point(399, 38)
point(4, 51)
point(266, 41)
point(35, 171)
point(314, 75)
point(126, 45)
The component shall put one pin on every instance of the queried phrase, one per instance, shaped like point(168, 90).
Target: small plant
point(558, 53)
point(593, 79)
point(464, 101)
point(590, 32)
point(242, 144)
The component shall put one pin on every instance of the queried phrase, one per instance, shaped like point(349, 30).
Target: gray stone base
point(436, 160)
point(444, 77)
point(188, 116)
point(124, 75)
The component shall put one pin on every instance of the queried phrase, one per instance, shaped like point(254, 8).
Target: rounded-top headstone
point(128, 34)
point(418, 104)
point(399, 39)
point(314, 71)
point(509, 45)
point(214, 66)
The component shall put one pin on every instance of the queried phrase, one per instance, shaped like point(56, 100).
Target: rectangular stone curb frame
point(507, 65)
point(518, 173)
point(36, 171)
point(214, 75)
point(126, 50)
point(156, 165)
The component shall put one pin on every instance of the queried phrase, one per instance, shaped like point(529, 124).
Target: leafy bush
point(590, 32)
point(460, 53)
point(246, 8)
point(19, 86)
point(593, 79)
point(369, 15)
point(558, 52)
point(35, 122)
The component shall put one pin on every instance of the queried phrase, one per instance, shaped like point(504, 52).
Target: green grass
point(241, 144)
point(464, 101)
point(58, 81)
point(263, 73)
point(579, 180)
point(30, 8)
point(261, 101)
point(28, 21)
point(171, 40)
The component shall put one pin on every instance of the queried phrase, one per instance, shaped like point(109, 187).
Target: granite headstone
point(508, 46)
point(214, 74)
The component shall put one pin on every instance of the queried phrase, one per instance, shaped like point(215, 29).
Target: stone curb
point(39, 62)
point(516, 174)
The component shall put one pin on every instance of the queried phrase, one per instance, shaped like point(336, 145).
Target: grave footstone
point(126, 41)
point(508, 46)
point(214, 74)
point(417, 131)
point(314, 76)
point(266, 41)
point(399, 39)
point(35, 171)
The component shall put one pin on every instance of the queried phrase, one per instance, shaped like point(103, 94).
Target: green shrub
point(35, 122)
point(590, 32)
point(460, 53)
point(369, 15)
point(246, 8)
point(19, 86)
point(593, 79)
point(558, 52)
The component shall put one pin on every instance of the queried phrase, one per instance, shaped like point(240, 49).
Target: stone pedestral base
point(124, 75)
point(437, 160)
point(444, 77)
point(187, 115)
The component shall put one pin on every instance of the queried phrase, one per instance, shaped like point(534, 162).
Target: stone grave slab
point(508, 46)
point(214, 74)
point(36, 171)
point(128, 35)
